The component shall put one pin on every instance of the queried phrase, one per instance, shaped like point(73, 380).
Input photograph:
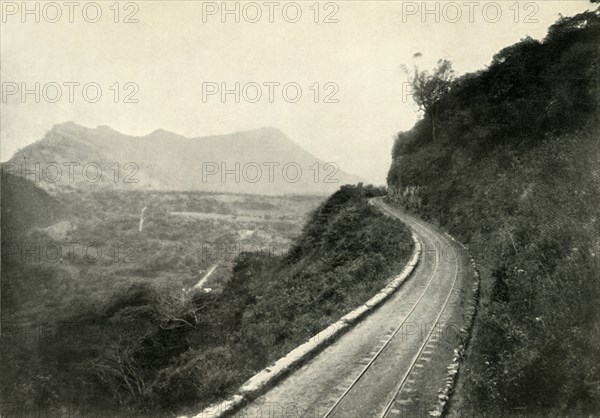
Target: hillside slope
point(25, 205)
point(515, 172)
point(184, 348)
point(262, 161)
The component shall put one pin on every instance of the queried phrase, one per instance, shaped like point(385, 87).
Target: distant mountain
point(262, 161)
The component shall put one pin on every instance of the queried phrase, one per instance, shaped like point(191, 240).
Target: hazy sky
point(177, 48)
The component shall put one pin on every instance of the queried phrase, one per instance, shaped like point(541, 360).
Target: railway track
point(368, 371)
point(392, 407)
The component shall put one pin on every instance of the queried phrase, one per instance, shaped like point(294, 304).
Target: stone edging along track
point(267, 377)
point(445, 393)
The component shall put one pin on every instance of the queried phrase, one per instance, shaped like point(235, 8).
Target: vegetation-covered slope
point(116, 344)
point(24, 204)
point(514, 170)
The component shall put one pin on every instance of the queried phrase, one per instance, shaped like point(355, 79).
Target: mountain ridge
point(258, 161)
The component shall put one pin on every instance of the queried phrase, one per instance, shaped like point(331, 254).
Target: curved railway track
point(368, 370)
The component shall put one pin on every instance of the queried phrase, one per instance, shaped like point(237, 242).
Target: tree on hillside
point(429, 89)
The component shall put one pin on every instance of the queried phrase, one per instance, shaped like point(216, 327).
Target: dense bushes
point(346, 252)
point(514, 171)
